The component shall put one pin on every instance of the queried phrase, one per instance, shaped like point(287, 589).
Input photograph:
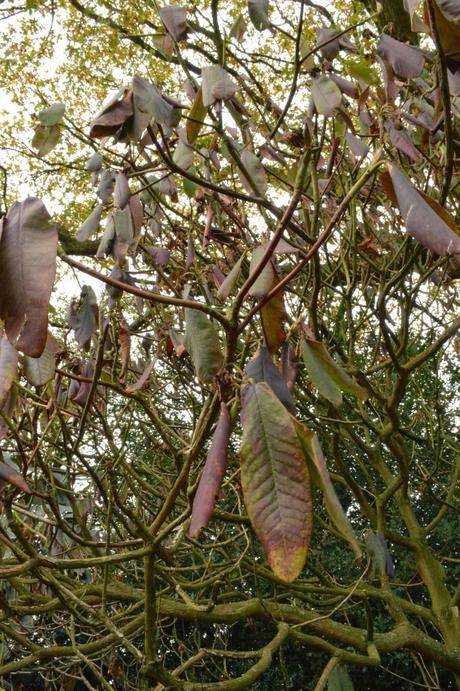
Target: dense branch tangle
point(97, 569)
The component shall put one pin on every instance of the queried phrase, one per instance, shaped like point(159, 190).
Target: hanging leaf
point(422, 221)
point(52, 115)
point(160, 255)
point(82, 316)
point(256, 171)
point(79, 391)
point(448, 25)
point(378, 552)
point(107, 240)
point(216, 85)
point(275, 481)
point(272, 316)
point(406, 61)
point(212, 475)
point(326, 375)
point(91, 225)
point(8, 366)
point(137, 213)
point(106, 185)
point(183, 154)
point(339, 680)
point(356, 145)
point(230, 281)
point(149, 104)
point(262, 369)
point(12, 477)
point(114, 116)
point(202, 342)
point(320, 476)
point(346, 87)
point(122, 193)
point(258, 14)
point(175, 20)
point(124, 342)
point(196, 117)
point(46, 139)
point(326, 95)
point(238, 29)
point(27, 271)
point(94, 164)
point(39, 371)
point(264, 282)
point(402, 141)
point(288, 366)
point(143, 380)
point(416, 22)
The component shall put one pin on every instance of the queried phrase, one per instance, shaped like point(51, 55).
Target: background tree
point(235, 466)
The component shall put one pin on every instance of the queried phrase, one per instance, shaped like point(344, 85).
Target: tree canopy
point(229, 421)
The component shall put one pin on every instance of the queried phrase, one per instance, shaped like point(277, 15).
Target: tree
point(236, 466)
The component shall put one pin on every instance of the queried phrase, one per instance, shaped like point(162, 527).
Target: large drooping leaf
point(328, 377)
point(12, 477)
point(83, 316)
point(320, 476)
point(195, 117)
point(27, 270)
point(114, 116)
point(202, 342)
point(326, 95)
point(275, 481)
point(175, 20)
point(46, 139)
point(229, 281)
point(52, 115)
point(121, 193)
point(262, 369)
point(422, 221)
point(257, 184)
point(406, 61)
point(378, 552)
point(216, 85)
point(264, 281)
point(401, 140)
point(448, 29)
point(148, 104)
point(91, 224)
point(8, 366)
point(212, 475)
point(39, 371)
point(258, 13)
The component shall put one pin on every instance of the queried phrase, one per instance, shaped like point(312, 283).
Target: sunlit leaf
point(39, 371)
point(202, 342)
point(121, 193)
point(275, 481)
point(46, 139)
point(230, 280)
point(326, 95)
point(216, 85)
point(196, 117)
point(52, 115)
point(175, 20)
point(27, 271)
point(273, 316)
point(264, 281)
point(257, 184)
point(212, 475)
point(91, 224)
point(114, 115)
point(238, 29)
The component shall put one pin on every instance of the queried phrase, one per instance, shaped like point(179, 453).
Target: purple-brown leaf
point(212, 476)
point(27, 271)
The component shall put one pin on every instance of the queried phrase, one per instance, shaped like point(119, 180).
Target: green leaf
point(256, 171)
point(196, 116)
point(320, 476)
point(275, 481)
point(326, 95)
point(258, 13)
point(339, 680)
point(52, 115)
point(328, 377)
point(264, 281)
point(202, 342)
point(27, 271)
point(230, 281)
point(272, 316)
point(46, 139)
